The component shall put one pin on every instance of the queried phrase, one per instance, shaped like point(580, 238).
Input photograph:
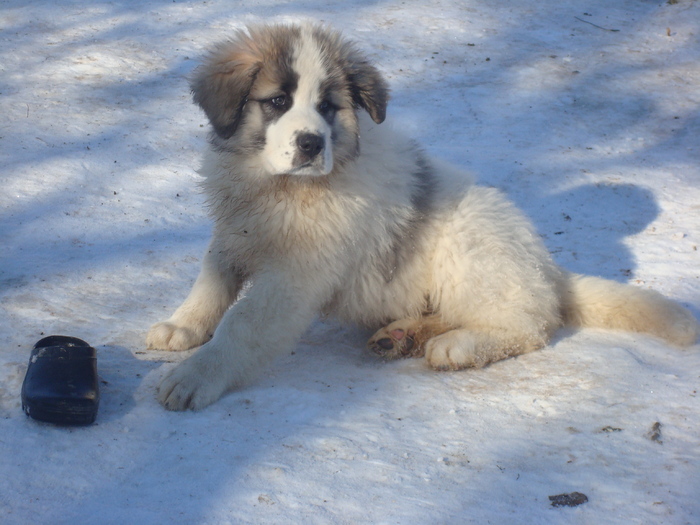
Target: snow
point(593, 132)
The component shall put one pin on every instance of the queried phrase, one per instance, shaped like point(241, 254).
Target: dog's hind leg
point(464, 348)
point(406, 337)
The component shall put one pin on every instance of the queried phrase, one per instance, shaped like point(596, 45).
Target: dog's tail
point(595, 302)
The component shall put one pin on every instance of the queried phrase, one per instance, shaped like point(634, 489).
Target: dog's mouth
point(306, 165)
point(309, 169)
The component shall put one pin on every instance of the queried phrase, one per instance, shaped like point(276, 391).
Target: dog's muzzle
point(309, 145)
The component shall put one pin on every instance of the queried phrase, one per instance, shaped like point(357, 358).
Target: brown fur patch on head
point(369, 89)
point(222, 83)
point(276, 45)
point(346, 63)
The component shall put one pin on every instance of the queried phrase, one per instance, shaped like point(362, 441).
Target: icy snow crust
point(593, 132)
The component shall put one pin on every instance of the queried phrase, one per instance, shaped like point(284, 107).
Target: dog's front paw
point(193, 384)
point(172, 336)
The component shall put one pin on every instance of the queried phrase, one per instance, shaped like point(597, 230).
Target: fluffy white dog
point(324, 210)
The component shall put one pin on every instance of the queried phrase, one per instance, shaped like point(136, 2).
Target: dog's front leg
point(266, 322)
point(194, 321)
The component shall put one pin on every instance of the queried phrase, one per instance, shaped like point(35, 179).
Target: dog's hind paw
point(398, 339)
point(170, 336)
point(453, 350)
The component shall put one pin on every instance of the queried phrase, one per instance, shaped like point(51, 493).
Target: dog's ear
point(222, 83)
point(369, 89)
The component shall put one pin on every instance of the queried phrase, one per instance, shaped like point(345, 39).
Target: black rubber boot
point(61, 383)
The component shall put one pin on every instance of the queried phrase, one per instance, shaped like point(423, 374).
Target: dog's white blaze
point(281, 136)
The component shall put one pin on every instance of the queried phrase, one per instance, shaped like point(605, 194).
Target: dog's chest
point(303, 228)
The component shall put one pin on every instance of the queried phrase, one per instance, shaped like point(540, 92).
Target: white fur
point(281, 136)
point(311, 246)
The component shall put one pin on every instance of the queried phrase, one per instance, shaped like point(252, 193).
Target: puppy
point(325, 211)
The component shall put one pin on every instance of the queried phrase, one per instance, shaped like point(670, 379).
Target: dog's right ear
point(369, 89)
point(222, 83)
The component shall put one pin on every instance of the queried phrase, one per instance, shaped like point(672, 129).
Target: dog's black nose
point(310, 144)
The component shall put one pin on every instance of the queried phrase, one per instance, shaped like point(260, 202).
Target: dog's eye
point(280, 102)
point(325, 107)
point(327, 110)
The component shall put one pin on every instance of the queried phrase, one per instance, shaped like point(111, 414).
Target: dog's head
point(287, 96)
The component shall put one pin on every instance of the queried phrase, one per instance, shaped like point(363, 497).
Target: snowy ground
point(594, 132)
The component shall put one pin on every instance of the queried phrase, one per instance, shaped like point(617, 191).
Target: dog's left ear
point(369, 89)
point(222, 83)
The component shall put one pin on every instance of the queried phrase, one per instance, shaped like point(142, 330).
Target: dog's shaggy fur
point(324, 210)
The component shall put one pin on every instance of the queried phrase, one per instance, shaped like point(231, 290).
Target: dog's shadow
point(584, 227)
